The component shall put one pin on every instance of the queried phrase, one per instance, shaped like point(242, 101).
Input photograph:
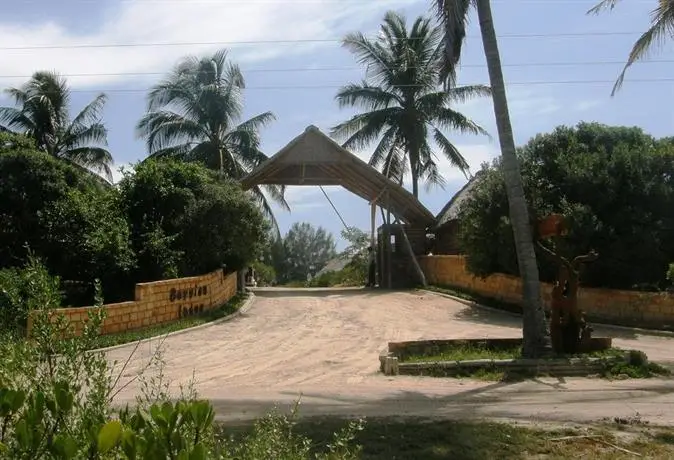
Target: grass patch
point(403, 439)
point(466, 353)
point(636, 367)
point(206, 317)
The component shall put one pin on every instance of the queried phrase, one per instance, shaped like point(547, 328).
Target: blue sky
point(531, 64)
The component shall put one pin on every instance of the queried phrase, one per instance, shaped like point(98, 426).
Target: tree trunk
point(535, 332)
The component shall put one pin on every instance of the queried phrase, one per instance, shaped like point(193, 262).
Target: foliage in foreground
point(613, 184)
point(56, 402)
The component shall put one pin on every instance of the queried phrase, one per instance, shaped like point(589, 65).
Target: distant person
point(371, 272)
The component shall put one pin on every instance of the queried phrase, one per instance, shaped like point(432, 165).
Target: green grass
point(416, 438)
point(638, 366)
point(208, 316)
point(466, 353)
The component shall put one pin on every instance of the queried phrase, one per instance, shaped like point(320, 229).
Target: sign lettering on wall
point(190, 300)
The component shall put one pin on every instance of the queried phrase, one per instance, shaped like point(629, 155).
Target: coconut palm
point(41, 113)
point(403, 102)
point(454, 15)
point(195, 115)
point(662, 27)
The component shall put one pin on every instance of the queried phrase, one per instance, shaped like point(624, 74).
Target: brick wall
point(631, 308)
point(161, 302)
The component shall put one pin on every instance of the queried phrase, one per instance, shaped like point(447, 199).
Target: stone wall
point(160, 302)
point(630, 308)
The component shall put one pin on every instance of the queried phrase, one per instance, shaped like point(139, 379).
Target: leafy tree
point(454, 15)
point(403, 103)
point(615, 186)
point(307, 249)
point(42, 113)
point(65, 217)
point(186, 220)
point(662, 25)
point(194, 115)
point(358, 241)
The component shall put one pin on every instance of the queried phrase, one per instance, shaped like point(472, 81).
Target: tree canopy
point(304, 250)
point(614, 184)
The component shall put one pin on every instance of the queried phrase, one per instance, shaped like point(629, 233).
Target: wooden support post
point(373, 218)
point(389, 281)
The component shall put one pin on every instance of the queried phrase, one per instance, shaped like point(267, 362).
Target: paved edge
point(470, 303)
point(247, 305)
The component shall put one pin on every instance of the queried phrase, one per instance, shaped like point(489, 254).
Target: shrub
point(613, 185)
point(65, 217)
point(185, 220)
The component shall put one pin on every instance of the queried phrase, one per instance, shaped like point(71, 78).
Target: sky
point(559, 66)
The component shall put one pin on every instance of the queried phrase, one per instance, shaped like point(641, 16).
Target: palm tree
point(404, 103)
point(662, 25)
point(42, 114)
point(194, 115)
point(455, 14)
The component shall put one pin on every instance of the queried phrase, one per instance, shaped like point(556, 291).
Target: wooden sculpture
point(569, 331)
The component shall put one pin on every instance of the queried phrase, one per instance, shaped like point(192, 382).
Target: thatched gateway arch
point(314, 159)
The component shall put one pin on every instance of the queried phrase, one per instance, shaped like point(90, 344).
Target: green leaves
point(109, 436)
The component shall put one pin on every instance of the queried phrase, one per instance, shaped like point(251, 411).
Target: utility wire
point(282, 41)
point(312, 87)
point(353, 68)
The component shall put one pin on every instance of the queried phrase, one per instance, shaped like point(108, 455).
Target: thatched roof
point(312, 158)
point(451, 210)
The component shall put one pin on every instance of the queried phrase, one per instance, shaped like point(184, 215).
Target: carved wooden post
point(568, 329)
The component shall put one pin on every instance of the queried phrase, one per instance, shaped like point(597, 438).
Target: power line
point(286, 41)
point(352, 68)
point(310, 87)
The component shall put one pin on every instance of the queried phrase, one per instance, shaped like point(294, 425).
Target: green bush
point(185, 220)
point(612, 184)
point(66, 218)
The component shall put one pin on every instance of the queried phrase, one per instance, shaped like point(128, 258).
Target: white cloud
point(193, 21)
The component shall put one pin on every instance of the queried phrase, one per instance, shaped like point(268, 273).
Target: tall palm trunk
point(535, 331)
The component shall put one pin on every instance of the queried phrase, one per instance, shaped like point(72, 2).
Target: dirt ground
point(324, 346)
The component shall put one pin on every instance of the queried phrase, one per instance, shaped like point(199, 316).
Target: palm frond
point(384, 146)
point(91, 113)
point(180, 151)
point(450, 119)
point(379, 60)
point(462, 94)
point(94, 158)
point(165, 128)
point(662, 27)
point(16, 120)
point(454, 17)
point(603, 5)
point(257, 122)
point(82, 136)
point(366, 96)
point(451, 152)
point(361, 130)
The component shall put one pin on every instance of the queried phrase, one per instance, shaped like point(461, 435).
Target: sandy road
point(325, 345)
